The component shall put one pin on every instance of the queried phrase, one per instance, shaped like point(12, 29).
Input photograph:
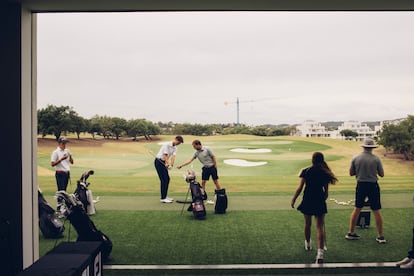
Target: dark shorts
point(368, 190)
point(209, 171)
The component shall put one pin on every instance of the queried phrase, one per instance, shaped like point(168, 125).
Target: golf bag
point(364, 217)
point(83, 225)
point(221, 201)
point(197, 205)
point(84, 195)
point(50, 226)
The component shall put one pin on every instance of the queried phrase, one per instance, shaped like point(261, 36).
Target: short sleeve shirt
point(205, 156)
point(56, 155)
point(167, 148)
point(366, 166)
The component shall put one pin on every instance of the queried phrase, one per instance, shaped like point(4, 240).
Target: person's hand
point(179, 167)
point(292, 203)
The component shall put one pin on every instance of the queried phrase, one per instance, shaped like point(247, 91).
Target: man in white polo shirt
point(61, 159)
point(164, 161)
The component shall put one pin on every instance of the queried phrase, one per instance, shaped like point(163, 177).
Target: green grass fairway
point(259, 227)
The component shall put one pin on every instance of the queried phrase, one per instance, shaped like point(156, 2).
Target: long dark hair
point(319, 162)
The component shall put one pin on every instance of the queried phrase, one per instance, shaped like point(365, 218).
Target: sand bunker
point(251, 150)
point(243, 163)
point(280, 142)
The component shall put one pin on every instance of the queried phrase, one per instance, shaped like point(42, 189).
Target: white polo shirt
point(167, 148)
point(56, 155)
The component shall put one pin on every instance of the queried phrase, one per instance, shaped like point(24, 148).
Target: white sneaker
point(319, 257)
point(308, 245)
point(165, 200)
point(406, 260)
point(409, 265)
point(170, 198)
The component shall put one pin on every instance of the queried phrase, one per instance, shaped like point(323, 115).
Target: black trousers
point(162, 172)
point(62, 180)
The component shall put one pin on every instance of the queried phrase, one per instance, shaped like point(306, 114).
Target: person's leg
point(62, 183)
point(307, 231)
point(62, 180)
point(163, 176)
point(217, 184)
point(360, 194)
point(205, 175)
point(203, 184)
point(353, 219)
point(378, 222)
point(320, 221)
point(214, 176)
point(375, 201)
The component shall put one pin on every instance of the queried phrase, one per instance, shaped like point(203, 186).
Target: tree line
point(56, 120)
point(399, 137)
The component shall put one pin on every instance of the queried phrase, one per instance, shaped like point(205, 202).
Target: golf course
point(260, 175)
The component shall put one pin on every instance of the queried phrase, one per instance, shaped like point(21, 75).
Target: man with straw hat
point(366, 167)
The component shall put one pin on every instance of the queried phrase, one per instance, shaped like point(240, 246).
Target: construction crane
point(238, 109)
point(237, 102)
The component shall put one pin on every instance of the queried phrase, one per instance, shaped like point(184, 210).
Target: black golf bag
point(197, 204)
point(221, 201)
point(364, 217)
point(84, 195)
point(50, 226)
point(83, 225)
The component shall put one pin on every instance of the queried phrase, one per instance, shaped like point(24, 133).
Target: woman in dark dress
point(316, 180)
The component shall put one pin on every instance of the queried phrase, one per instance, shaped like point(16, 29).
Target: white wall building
point(363, 130)
point(312, 128)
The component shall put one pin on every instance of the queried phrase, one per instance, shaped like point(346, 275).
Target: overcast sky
point(285, 67)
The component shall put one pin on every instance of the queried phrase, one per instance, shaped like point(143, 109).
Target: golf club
point(185, 201)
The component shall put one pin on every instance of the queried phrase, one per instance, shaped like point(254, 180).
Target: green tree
point(192, 129)
point(347, 133)
point(399, 137)
point(238, 129)
point(78, 124)
point(152, 129)
point(94, 126)
point(55, 120)
point(118, 127)
point(260, 131)
point(279, 131)
point(136, 127)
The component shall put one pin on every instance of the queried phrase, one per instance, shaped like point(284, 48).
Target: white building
point(311, 128)
point(363, 130)
point(388, 122)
